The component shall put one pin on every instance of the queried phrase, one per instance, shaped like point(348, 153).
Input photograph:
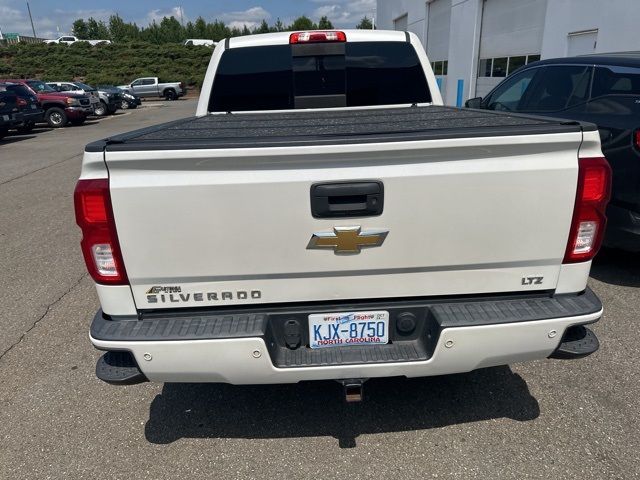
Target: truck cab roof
point(282, 38)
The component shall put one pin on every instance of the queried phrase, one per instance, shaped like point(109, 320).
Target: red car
point(60, 108)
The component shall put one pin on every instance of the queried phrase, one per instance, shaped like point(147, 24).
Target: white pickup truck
point(323, 216)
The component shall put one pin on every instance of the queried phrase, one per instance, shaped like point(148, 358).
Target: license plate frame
point(346, 329)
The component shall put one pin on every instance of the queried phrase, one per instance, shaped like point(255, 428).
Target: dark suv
point(10, 115)
point(602, 89)
point(28, 105)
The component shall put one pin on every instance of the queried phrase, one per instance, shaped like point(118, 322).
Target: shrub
point(106, 64)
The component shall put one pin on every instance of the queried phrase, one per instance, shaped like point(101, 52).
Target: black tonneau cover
point(343, 126)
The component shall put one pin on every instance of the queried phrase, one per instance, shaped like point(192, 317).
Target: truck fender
point(51, 103)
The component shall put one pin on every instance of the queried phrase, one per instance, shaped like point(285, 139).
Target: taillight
point(100, 247)
point(317, 37)
point(22, 102)
point(589, 220)
point(636, 138)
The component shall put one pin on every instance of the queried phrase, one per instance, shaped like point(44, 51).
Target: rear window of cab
point(280, 77)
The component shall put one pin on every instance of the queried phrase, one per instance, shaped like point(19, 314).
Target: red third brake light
point(99, 239)
point(589, 221)
point(317, 37)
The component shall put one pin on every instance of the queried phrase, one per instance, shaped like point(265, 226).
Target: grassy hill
point(105, 64)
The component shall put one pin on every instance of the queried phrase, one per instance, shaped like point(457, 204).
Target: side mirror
point(473, 103)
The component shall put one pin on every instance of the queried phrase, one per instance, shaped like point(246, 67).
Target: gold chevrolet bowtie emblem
point(348, 239)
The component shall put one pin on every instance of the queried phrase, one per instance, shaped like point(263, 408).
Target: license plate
point(33, 107)
point(348, 328)
point(6, 118)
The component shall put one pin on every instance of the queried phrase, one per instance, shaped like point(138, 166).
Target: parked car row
point(105, 100)
point(26, 102)
point(71, 39)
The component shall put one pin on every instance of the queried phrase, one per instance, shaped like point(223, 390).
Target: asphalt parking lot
point(547, 419)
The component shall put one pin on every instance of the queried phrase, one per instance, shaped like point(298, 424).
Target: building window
point(502, 66)
point(515, 63)
point(484, 68)
point(440, 67)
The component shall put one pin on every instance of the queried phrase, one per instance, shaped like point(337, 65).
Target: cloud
point(9, 14)
point(50, 24)
point(250, 17)
point(344, 13)
point(157, 15)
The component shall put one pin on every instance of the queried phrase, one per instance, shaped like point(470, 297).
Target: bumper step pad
point(119, 368)
point(577, 342)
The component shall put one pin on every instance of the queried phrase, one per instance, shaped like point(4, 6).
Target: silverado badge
point(347, 239)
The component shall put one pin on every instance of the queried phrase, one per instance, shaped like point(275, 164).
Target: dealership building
point(474, 44)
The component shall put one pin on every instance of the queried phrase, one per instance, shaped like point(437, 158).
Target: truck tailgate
point(217, 210)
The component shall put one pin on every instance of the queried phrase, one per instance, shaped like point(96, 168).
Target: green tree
point(121, 31)
point(79, 29)
point(262, 28)
point(303, 23)
point(325, 23)
point(217, 31)
point(171, 31)
point(365, 24)
point(200, 28)
point(278, 26)
point(151, 33)
point(190, 30)
point(97, 30)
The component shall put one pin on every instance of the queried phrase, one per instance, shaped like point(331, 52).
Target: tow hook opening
point(353, 389)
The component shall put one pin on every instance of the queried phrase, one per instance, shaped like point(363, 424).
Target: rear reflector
point(99, 239)
point(589, 220)
point(317, 37)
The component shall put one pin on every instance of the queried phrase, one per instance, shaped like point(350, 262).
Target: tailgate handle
point(357, 199)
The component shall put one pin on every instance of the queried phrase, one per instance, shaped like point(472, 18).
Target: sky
point(52, 18)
